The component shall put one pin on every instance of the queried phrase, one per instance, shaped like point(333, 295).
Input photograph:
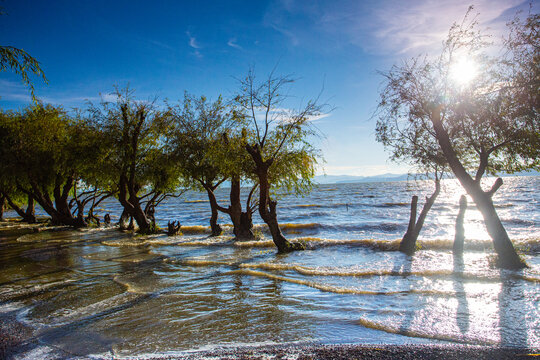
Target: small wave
point(337, 289)
point(195, 201)
point(391, 204)
point(395, 329)
point(199, 262)
point(520, 222)
point(195, 229)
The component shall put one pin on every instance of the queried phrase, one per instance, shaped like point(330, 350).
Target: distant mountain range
point(336, 179)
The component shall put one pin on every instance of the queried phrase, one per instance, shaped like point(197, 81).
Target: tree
point(20, 62)
point(138, 164)
point(208, 143)
point(278, 144)
point(199, 128)
point(42, 160)
point(412, 142)
point(481, 126)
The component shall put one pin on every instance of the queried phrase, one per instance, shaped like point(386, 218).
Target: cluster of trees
point(488, 125)
point(142, 153)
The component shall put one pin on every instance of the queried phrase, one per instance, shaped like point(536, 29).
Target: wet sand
point(16, 340)
point(362, 351)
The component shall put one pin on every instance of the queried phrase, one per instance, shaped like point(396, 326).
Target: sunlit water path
point(102, 292)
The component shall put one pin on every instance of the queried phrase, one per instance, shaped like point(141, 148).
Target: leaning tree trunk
point(408, 243)
point(459, 238)
point(267, 210)
point(27, 215)
point(508, 257)
point(214, 226)
point(267, 207)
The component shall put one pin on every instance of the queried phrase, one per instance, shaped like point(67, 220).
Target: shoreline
point(351, 351)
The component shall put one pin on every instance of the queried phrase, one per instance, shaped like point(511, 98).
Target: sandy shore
point(349, 352)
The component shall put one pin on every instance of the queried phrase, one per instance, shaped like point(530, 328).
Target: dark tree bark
point(132, 205)
point(214, 226)
point(2, 206)
point(267, 207)
point(242, 220)
point(459, 237)
point(408, 243)
point(59, 209)
point(508, 257)
point(27, 215)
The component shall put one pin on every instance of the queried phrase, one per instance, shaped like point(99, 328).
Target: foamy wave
point(395, 329)
point(336, 289)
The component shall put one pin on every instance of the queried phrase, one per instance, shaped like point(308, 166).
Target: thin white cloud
point(232, 43)
point(192, 41)
point(384, 27)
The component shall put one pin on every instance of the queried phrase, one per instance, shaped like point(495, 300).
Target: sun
point(463, 70)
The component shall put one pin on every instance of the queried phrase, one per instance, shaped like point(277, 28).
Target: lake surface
point(103, 293)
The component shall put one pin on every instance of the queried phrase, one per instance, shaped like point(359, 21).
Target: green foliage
point(282, 135)
point(199, 140)
point(492, 121)
point(20, 62)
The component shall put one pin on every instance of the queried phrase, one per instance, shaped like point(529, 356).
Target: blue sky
point(162, 48)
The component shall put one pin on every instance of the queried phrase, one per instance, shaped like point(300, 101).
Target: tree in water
point(486, 124)
point(199, 127)
point(139, 167)
point(411, 142)
point(43, 161)
point(459, 237)
point(277, 136)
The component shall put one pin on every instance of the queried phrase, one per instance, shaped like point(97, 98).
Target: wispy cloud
point(195, 45)
point(192, 41)
point(232, 43)
point(387, 27)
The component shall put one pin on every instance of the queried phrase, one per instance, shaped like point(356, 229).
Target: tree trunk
point(408, 243)
point(459, 237)
point(508, 257)
point(123, 220)
point(267, 207)
point(214, 226)
point(267, 210)
point(27, 216)
point(2, 206)
point(30, 213)
point(242, 222)
point(133, 206)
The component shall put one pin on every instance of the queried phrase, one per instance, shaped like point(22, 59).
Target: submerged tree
point(138, 165)
point(42, 158)
point(482, 126)
point(412, 142)
point(279, 144)
point(199, 127)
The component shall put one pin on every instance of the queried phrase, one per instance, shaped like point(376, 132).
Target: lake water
point(103, 293)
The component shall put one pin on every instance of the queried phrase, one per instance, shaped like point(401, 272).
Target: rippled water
point(103, 292)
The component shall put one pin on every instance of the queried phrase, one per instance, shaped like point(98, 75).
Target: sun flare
point(463, 71)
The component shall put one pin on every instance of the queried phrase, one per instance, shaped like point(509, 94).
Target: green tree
point(481, 126)
point(139, 167)
point(20, 62)
point(199, 128)
point(278, 145)
point(42, 159)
